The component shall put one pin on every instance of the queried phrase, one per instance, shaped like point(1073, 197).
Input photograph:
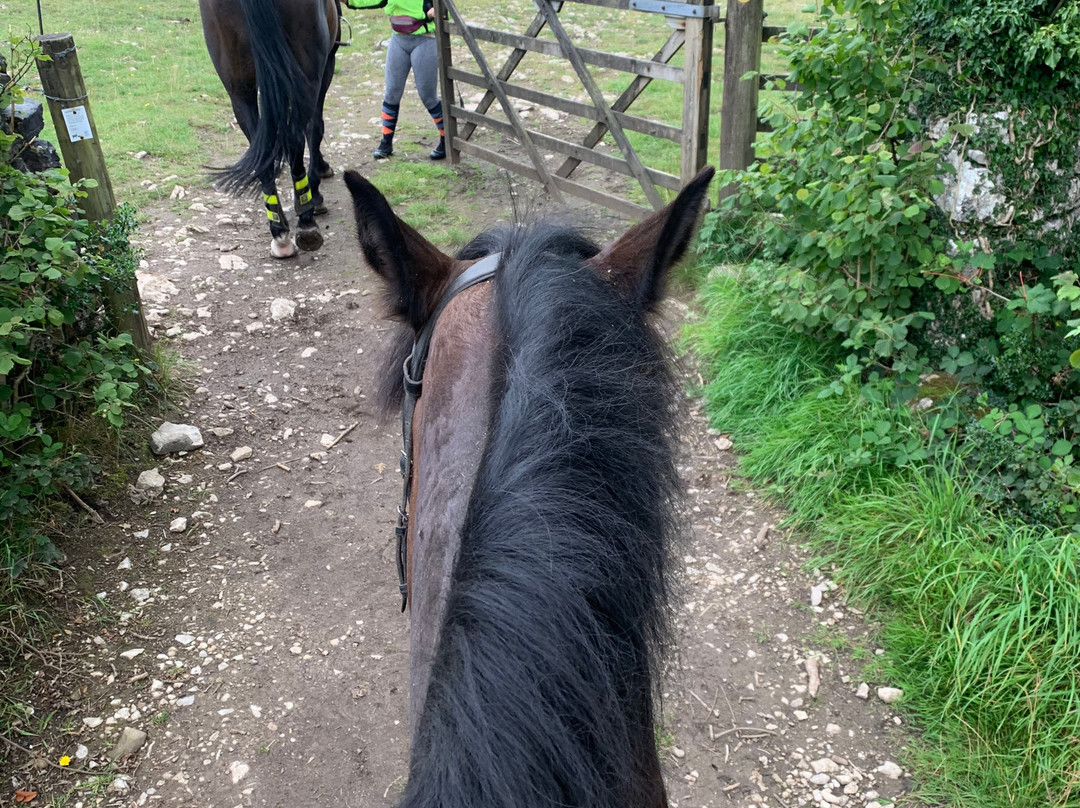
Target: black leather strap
point(413, 370)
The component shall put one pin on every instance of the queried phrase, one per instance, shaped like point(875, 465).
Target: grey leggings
point(418, 52)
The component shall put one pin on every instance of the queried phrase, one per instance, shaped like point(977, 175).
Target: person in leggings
point(412, 47)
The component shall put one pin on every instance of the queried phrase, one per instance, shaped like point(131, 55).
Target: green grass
point(153, 89)
point(150, 85)
point(981, 615)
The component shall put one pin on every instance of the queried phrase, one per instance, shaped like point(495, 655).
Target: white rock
point(151, 481)
point(185, 701)
point(890, 694)
point(240, 453)
point(327, 440)
point(824, 766)
point(232, 261)
point(251, 328)
point(120, 785)
point(185, 639)
point(256, 710)
point(93, 723)
point(81, 752)
point(222, 431)
point(282, 309)
point(801, 715)
point(132, 653)
point(140, 594)
point(307, 353)
point(124, 565)
point(296, 650)
point(313, 503)
point(154, 289)
point(890, 770)
point(178, 525)
point(171, 437)
point(271, 398)
point(238, 771)
point(815, 595)
point(863, 692)
point(141, 534)
point(820, 779)
point(832, 729)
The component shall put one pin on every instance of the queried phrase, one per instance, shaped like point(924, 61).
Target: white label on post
point(78, 125)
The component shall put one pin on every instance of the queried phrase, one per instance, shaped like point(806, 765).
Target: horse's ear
point(415, 270)
point(637, 262)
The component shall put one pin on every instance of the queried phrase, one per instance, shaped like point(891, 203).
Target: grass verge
point(981, 614)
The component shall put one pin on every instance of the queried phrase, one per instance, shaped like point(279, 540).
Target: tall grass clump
point(981, 612)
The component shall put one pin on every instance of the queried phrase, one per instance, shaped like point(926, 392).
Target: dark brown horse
point(276, 60)
point(541, 503)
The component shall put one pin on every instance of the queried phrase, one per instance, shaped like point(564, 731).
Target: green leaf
point(1061, 448)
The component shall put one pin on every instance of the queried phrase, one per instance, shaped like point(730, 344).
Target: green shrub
point(843, 203)
point(980, 613)
point(60, 361)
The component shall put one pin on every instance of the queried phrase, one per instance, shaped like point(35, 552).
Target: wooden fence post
point(697, 64)
point(739, 111)
point(76, 135)
point(446, 84)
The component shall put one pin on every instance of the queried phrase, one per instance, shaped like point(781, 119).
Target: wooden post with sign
point(739, 111)
point(62, 82)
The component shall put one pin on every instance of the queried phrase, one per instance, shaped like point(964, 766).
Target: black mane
point(541, 687)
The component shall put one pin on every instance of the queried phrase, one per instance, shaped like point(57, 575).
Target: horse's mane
point(540, 689)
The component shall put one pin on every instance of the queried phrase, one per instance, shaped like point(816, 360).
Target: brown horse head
point(542, 507)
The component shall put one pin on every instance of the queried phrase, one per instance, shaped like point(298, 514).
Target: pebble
point(93, 723)
point(307, 353)
point(151, 481)
point(238, 771)
point(282, 309)
point(863, 692)
point(890, 694)
point(824, 766)
point(124, 565)
point(222, 431)
point(132, 653)
point(240, 453)
point(178, 525)
point(169, 438)
point(140, 594)
point(185, 701)
point(185, 639)
point(313, 503)
point(890, 770)
point(131, 740)
point(832, 729)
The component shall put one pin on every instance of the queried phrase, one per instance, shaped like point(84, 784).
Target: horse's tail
point(285, 102)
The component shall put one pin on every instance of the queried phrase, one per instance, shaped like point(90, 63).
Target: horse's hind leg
point(308, 235)
point(319, 166)
point(245, 107)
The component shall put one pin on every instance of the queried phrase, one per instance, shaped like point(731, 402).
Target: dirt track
point(274, 670)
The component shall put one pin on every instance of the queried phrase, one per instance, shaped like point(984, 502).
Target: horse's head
point(543, 427)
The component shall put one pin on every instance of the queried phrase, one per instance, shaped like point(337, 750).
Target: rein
point(413, 369)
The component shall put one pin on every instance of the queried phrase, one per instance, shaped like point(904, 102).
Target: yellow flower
point(65, 760)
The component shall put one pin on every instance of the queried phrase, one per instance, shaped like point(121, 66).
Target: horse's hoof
point(309, 238)
point(283, 247)
point(325, 171)
point(319, 208)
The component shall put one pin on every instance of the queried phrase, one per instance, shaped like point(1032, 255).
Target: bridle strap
point(413, 372)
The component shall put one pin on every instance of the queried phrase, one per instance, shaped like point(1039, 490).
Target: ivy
point(60, 359)
point(895, 94)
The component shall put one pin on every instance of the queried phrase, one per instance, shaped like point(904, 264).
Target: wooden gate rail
point(695, 38)
point(631, 122)
point(625, 64)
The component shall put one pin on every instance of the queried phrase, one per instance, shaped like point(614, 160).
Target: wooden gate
point(692, 32)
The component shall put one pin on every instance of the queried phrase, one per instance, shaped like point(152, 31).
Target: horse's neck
point(452, 422)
